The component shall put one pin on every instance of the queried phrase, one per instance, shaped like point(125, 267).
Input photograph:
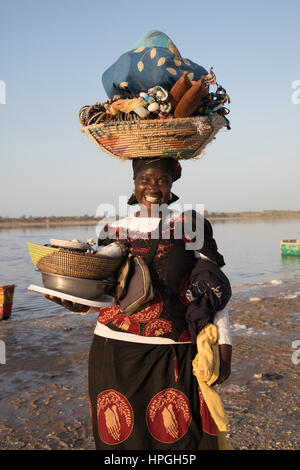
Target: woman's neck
point(151, 213)
point(147, 215)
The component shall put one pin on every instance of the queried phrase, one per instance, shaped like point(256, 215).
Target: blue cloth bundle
point(152, 60)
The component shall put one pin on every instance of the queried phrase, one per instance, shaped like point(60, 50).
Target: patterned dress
point(143, 394)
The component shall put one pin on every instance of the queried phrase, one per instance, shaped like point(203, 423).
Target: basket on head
point(181, 138)
point(73, 264)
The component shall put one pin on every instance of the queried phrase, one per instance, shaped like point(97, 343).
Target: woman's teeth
point(151, 198)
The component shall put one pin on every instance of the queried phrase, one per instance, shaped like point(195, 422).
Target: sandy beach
point(44, 399)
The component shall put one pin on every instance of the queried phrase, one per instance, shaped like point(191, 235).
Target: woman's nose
point(153, 185)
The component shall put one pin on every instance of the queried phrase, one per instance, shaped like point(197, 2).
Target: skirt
point(145, 397)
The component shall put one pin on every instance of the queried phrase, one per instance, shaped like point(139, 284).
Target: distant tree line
point(52, 218)
point(266, 213)
point(29, 219)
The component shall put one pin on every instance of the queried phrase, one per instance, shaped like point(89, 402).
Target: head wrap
point(170, 165)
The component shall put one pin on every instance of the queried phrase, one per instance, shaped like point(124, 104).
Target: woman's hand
point(74, 307)
point(225, 363)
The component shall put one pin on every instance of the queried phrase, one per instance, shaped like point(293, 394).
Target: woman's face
point(152, 186)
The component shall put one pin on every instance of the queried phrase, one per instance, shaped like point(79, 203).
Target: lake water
point(251, 249)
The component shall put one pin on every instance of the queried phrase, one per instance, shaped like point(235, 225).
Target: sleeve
point(208, 291)
point(221, 321)
point(209, 247)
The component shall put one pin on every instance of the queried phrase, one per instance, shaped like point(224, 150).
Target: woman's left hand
point(72, 306)
point(225, 363)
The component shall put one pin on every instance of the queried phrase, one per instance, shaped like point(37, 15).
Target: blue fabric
point(152, 38)
point(152, 60)
point(209, 291)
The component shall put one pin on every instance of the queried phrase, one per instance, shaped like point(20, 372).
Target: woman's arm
point(221, 321)
point(225, 362)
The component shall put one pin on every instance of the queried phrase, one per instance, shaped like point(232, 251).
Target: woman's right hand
point(225, 363)
point(73, 306)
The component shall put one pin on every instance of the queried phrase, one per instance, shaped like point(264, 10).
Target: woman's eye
point(147, 181)
point(164, 181)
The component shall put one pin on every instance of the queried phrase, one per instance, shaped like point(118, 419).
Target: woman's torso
point(172, 263)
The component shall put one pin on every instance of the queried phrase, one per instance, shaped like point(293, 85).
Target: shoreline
point(213, 216)
point(47, 224)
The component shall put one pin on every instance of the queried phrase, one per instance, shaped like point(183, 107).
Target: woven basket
point(182, 138)
point(68, 263)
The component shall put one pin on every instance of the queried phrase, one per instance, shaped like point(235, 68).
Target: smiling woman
point(144, 393)
point(152, 186)
point(153, 180)
point(142, 389)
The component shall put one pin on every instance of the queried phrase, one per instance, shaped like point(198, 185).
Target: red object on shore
point(6, 300)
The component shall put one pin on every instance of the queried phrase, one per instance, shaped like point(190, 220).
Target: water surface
point(251, 249)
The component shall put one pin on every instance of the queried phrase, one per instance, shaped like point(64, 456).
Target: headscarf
point(170, 165)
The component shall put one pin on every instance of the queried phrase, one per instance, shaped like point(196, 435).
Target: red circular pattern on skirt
point(107, 314)
point(127, 323)
point(168, 416)
point(157, 328)
point(114, 417)
point(151, 312)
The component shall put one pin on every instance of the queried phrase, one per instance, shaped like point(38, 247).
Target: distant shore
point(17, 224)
point(7, 222)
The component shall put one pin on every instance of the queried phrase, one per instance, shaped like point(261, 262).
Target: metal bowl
point(84, 288)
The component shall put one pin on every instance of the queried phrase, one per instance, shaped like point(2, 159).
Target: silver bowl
point(83, 288)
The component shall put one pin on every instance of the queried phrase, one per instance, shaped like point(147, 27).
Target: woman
point(143, 393)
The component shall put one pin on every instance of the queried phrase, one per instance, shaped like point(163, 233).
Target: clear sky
point(53, 54)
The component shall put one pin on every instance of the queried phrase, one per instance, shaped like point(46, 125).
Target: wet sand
point(262, 395)
point(44, 398)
